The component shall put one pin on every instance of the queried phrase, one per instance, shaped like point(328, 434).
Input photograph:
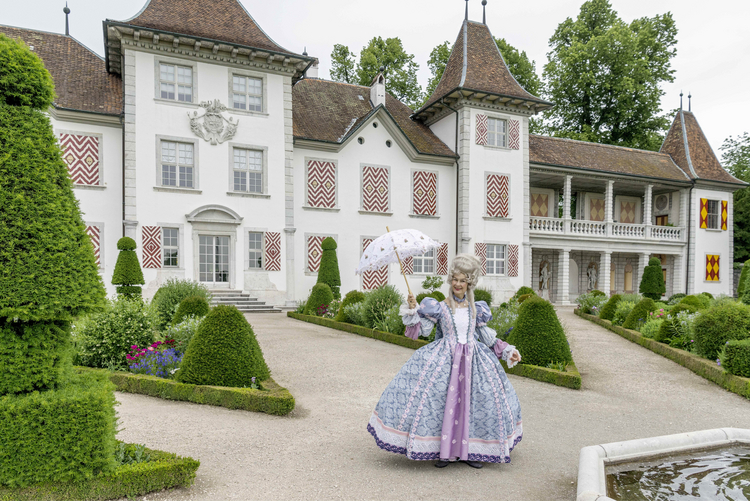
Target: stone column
point(608, 202)
point(528, 273)
point(464, 149)
point(605, 262)
point(566, 203)
point(289, 228)
point(130, 219)
point(648, 200)
point(678, 274)
point(563, 277)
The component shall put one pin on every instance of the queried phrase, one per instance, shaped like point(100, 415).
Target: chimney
point(312, 71)
point(377, 89)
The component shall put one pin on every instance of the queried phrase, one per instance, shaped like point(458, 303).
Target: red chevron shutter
point(724, 214)
point(151, 244)
point(424, 193)
point(375, 189)
point(512, 260)
point(498, 195)
point(480, 250)
point(81, 155)
point(704, 213)
point(321, 184)
point(94, 233)
point(408, 265)
point(373, 279)
point(314, 253)
point(514, 134)
point(482, 129)
point(441, 267)
point(272, 251)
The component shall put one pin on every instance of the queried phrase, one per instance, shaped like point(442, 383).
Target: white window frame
point(493, 135)
point(175, 247)
point(496, 260)
point(184, 171)
point(233, 72)
point(158, 61)
point(715, 215)
point(419, 263)
point(159, 168)
point(260, 250)
point(248, 168)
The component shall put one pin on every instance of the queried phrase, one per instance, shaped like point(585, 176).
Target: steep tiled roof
point(224, 20)
point(475, 64)
point(689, 148)
point(327, 111)
point(602, 157)
point(81, 80)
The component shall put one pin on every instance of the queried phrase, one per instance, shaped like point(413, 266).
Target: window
point(170, 247)
point(177, 164)
point(497, 132)
point(425, 263)
point(495, 259)
point(247, 93)
point(248, 171)
point(712, 216)
point(255, 246)
point(176, 82)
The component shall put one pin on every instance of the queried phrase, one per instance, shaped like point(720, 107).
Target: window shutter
point(81, 155)
point(375, 189)
point(151, 243)
point(480, 250)
point(724, 214)
point(512, 260)
point(498, 195)
point(712, 268)
point(321, 184)
point(314, 253)
point(704, 213)
point(441, 266)
point(482, 129)
point(94, 233)
point(424, 193)
point(373, 279)
point(514, 134)
point(408, 265)
point(272, 251)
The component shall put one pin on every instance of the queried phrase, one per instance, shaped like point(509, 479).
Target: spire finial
point(680, 99)
point(304, 52)
point(66, 10)
point(466, 16)
point(690, 105)
point(484, 12)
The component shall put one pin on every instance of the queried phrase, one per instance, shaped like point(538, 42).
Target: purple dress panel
point(456, 419)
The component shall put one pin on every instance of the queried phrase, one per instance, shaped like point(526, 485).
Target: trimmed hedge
point(736, 357)
point(698, 302)
point(65, 435)
point(34, 356)
point(538, 335)
point(162, 471)
point(608, 310)
point(571, 378)
point(195, 306)
point(721, 323)
point(271, 398)
point(639, 313)
point(352, 297)
point(705, 368)
point(321, 295)
point(652, 282)
point(329, 267)
point(128, 274)
point(223, 352)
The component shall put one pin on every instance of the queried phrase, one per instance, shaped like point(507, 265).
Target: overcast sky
point(713, 49)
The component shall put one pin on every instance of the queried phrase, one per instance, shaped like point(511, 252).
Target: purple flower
point(718, 361)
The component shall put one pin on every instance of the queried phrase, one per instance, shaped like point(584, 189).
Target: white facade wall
point(713, 242)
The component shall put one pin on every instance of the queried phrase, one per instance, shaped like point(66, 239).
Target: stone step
point(240, 303)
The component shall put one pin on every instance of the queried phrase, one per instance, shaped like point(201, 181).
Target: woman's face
point(459, 284)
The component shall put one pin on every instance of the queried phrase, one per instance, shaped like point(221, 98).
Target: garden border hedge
point(272, 399)
point(571, 378)
point(164, 471)
point(704, 368)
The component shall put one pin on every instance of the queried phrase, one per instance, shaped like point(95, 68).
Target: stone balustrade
point(601, 229)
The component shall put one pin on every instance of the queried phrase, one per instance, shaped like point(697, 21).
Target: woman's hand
point(515, 357)
point(411, 301)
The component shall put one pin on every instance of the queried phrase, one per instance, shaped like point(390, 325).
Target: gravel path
point(323, 451)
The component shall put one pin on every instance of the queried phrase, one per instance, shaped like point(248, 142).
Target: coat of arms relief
point(215, 128)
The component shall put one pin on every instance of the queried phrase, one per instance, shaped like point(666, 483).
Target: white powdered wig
point(470, 266)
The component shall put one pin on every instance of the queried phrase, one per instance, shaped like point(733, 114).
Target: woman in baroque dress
point(452, 400)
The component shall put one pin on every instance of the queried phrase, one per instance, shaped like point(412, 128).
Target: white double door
point(214, 260)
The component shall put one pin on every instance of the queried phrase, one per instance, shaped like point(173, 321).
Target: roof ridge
point(71, 37)
point(614, 146)
point(334, 81)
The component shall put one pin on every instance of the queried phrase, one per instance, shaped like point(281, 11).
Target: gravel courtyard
point(323, 451)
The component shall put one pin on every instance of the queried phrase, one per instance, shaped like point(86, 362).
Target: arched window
point(628, 278)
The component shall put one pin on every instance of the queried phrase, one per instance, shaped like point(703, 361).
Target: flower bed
point(269, 397)
point(162, 471)
point(570, 378)
point(701, 366)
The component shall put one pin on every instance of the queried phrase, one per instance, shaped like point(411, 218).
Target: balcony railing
point(600, 229)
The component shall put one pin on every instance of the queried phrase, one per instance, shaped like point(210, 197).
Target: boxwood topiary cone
point(329, 267)
point(127, 275)
point(538, 335)
point(608, 310)
point(640, 313)
point(652, 282)
point(196, 306)
point(742, 282)
point(321, 295)
point(223, 352)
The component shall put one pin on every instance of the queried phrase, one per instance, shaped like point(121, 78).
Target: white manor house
point(228, 161)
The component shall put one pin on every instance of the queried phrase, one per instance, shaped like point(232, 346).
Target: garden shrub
point(689, 307)
point(707, 294)
point(651, 328)
point(355, 314)
point(607, 311)
point(391, 322)
point(696, 302)
point(432, 283)
point(195, 306)
point(742, 282)
point(736, 357)
point(352, 297)
point(678, 330)
point(652, 282)
point(524, 297)
point(634, 298)
point(60, 435)
point(483, 295)
point(24, 81)
point(169, 296)
point(320, 296)
point(523, 291)
point(378, 302)
point(538, 335)
point(597, 292)
point(224, 352)
point(183, 332)
point(439, 296)
point(675, 298)
point(639, 314)
point(719, 324)
point(328, 273)
point(504, 319)
point(591, 302)
point(622, 311)
point(421, 296)
point(104, 339)
point(127, 275)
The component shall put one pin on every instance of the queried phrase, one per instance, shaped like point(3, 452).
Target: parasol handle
point(401, 265)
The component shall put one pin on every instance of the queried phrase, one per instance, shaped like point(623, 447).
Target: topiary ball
point(223, 352)
point(523, 290)
point(689, 307)
point(719, 324)
point(640, 313)
point(483, 295)
point(707, 294)
point(695, 301)
point(24, 81)
point(328, 243)
point(439, 296)
point(352, 297)
point(195, 306)
point(538, 335)
point(423, 295)
point(608, 310)
point(126, 244)
point(321, 295)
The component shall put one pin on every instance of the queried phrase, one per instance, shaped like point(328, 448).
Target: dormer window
point(176, 82)
point(247, 93)
point(497, 132)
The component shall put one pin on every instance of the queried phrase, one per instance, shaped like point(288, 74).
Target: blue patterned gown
point(450, 400)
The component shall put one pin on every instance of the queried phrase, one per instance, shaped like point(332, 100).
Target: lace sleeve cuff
point(408, 315)
point(507, 353)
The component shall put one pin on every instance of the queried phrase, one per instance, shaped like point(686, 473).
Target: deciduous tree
point(736, 159)
point(400, 69)
point(342, 64)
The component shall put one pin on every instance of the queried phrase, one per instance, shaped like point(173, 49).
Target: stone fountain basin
point(593, 460)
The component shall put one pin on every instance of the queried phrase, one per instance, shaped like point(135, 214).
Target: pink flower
point(150, 348)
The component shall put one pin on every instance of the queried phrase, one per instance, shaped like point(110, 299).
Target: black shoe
point(442, 464)
point(473, 464)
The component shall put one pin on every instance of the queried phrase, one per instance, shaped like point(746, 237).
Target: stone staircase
point(242, 301)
